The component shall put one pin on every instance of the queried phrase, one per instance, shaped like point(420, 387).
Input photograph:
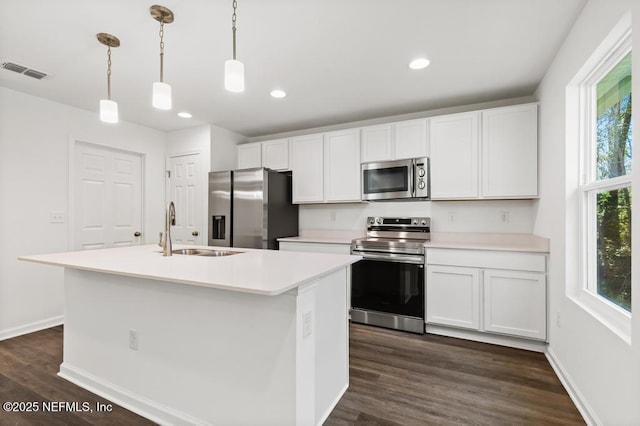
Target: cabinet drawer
point(487, 259)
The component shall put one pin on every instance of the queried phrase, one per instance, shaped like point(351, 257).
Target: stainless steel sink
point(205, 252)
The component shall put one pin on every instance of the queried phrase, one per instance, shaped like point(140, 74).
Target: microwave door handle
point(412, 177)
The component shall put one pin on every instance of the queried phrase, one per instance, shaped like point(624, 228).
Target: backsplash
point(501, 216)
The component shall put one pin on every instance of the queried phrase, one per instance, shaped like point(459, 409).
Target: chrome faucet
point(169, 219)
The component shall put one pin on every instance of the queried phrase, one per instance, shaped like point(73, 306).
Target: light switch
point(306, 323)
point(56, 217)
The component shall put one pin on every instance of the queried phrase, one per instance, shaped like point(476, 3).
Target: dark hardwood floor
point(395, 379)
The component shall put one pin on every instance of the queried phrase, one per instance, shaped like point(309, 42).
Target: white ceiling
point(338, 60)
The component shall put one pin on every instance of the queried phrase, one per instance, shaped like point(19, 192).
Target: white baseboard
point(494, 339)
point(30, 328)
point(145, 407)
point(576, 396)
point(326, 415)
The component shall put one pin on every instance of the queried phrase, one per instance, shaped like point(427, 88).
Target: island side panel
point(331, 342)
point(204, 355)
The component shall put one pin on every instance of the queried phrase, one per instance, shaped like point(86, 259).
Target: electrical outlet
point(306, 323)
point(332, 216)
point(452, 217)
point(56, 217)
point(504, 217)
point(133, 339)
point(558, 319)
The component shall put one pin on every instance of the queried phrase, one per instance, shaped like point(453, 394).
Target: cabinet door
point(377, 143)
point(342, 166)
point(307, 168)
point(410, 139)
point(249, 155)
point(453, 296)
point(275, 154)
point(515, 303)
point(454, 156)
point(510, 151)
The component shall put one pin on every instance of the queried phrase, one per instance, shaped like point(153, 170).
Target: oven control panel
point(399, 222)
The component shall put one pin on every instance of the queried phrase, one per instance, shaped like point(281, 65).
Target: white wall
point(468, 216)
point(223, 148)
point(34, 155)
point(600, 369)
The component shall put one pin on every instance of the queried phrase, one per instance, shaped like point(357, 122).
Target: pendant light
point(108, 108)
point(234, 69)
point(161, 90)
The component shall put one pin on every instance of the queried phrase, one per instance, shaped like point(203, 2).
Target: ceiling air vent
point(21, 69)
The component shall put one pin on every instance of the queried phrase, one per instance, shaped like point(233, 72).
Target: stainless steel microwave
point(396, 180)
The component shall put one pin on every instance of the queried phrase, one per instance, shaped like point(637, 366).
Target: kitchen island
point(258, 337)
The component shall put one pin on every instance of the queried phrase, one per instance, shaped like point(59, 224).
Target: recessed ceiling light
point(419, 63)
point(277, 93)
point(184, 114)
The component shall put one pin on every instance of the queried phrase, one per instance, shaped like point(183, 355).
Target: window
point(607, 127)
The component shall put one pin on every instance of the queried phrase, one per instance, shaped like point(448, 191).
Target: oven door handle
point(391, 257)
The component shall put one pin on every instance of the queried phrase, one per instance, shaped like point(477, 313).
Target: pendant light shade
point(161, 98)
point(234, 75)
point(108, 111)
point(161, 95)
point(234, 69)
point(108, 108)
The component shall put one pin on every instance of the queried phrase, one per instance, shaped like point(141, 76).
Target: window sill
point(614, 318)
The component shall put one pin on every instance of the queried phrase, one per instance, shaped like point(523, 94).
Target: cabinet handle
point(137, 234)
point(195, 233)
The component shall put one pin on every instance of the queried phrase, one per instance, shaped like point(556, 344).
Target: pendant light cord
point(161, 51)
point(233, 27)
point(109, 72)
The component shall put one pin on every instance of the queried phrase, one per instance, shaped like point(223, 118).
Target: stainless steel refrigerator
point(251, 208)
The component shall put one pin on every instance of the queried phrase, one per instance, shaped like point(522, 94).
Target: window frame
point(602, 62)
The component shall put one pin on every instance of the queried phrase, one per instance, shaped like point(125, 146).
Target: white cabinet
point(510, 151)
point(275, 154)
point(270, 154)
point(404, 139)
point(491, 153)
point(342, 166)
point(410, 139)
point(454, 156)
point(515, 303)
point(249, 155)
point(377, 143)
point(453, 296)
point(326, 168)
point(490, 292)
point(307, 166)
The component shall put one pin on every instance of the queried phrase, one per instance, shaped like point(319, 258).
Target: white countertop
point(265, 272)
point(449, 240)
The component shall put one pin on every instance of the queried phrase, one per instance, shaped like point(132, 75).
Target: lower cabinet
point(490, 292)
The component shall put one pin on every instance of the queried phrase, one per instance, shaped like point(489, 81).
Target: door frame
point(73, 142)
point(204, 191)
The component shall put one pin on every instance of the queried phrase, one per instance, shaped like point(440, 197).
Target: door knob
point(137, 234)
point(195, 233)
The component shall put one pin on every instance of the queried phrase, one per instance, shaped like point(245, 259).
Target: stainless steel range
point(387, 285)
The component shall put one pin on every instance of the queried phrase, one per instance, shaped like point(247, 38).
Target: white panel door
point(307, 165)
point(275, 154)
point(249, 155)
point(342, 165)
point(454, 156)
point(377, 143)
point(185, 190)
point(453, 296)
point(515, 303)
point(510, 151)
point(410, 139)
point(107, 197)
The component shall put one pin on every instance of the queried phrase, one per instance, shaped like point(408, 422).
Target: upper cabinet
point(270, 154)
point(485, 154)
point(326, 167)
point(404, 139)
point(454, 156)
point(249, 155)
point(510, 151)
